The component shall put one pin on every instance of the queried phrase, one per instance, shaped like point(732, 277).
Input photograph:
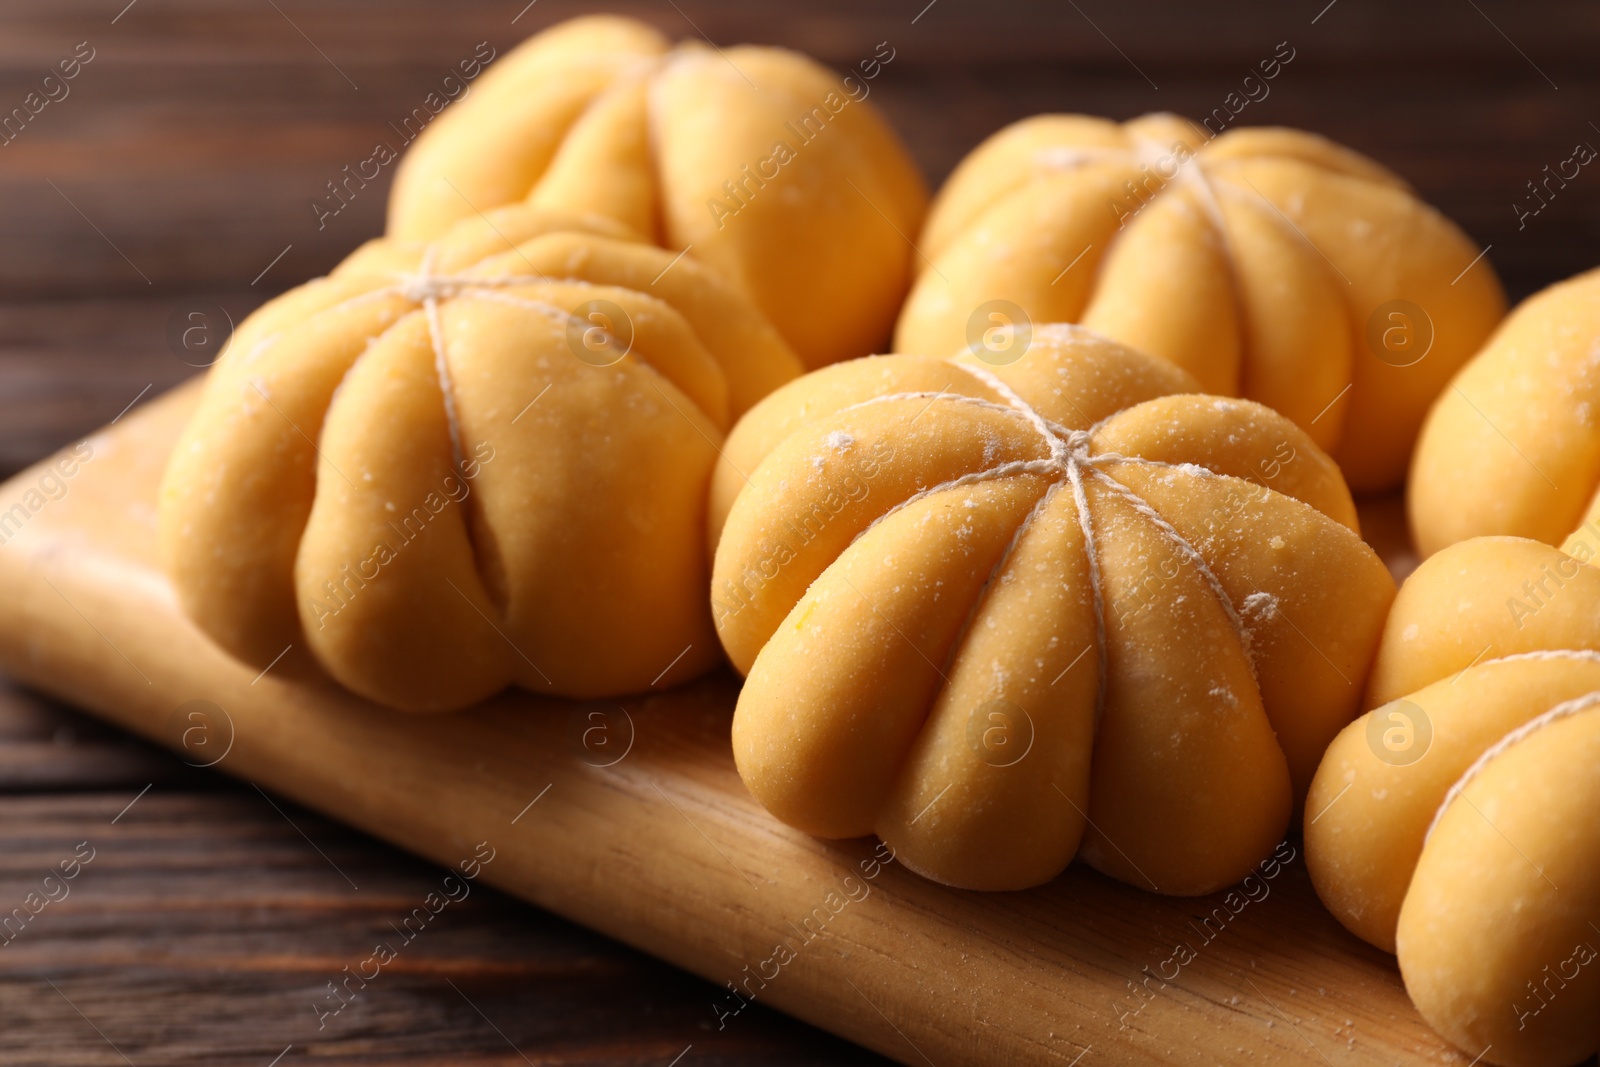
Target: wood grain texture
point(248, 915)
point(46, 747)
point(185, 160)
point(209, 921)
point(198, 137)
point(665, 850)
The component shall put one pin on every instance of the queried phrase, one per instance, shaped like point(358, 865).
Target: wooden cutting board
point(632, 820)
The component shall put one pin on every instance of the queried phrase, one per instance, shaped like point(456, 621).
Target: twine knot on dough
point(1072, 463)
point(1077, 442)
point(423, 286)
point(426, 287)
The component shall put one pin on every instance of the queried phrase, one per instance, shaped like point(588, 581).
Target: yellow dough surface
point(1497, 939)
point(1513, 445)
point(1269, 263)
point(1003, 616)
point(776, 172)
point(483, 461)
point(1454, 824)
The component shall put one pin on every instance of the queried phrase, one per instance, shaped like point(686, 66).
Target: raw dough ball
point(1004, 616)
point(444, 472)
point(1497, 938)
point(1513, 446)
point(775, 171)
point(1269, 263)
point(1455, 823)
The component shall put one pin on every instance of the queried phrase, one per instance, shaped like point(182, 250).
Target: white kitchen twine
point(1140, 150)
point(1069, 457)
point(1190, 173)
point(427, 288)
point(1564, 710)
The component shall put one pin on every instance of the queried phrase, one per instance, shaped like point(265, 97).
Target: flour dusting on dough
point(1260, 605)
point(1256, 609)
point(1224, 694)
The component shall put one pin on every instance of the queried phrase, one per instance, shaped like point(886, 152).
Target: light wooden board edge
point(666, 851)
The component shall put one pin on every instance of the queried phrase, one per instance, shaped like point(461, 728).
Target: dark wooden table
point(178, 174)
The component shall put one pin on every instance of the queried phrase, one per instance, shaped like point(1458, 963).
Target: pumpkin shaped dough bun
point(778, 173)
point(1269, 263)
point(447, 468)
point(1003, 616)
point(1513, 446)
point(1454, 824)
